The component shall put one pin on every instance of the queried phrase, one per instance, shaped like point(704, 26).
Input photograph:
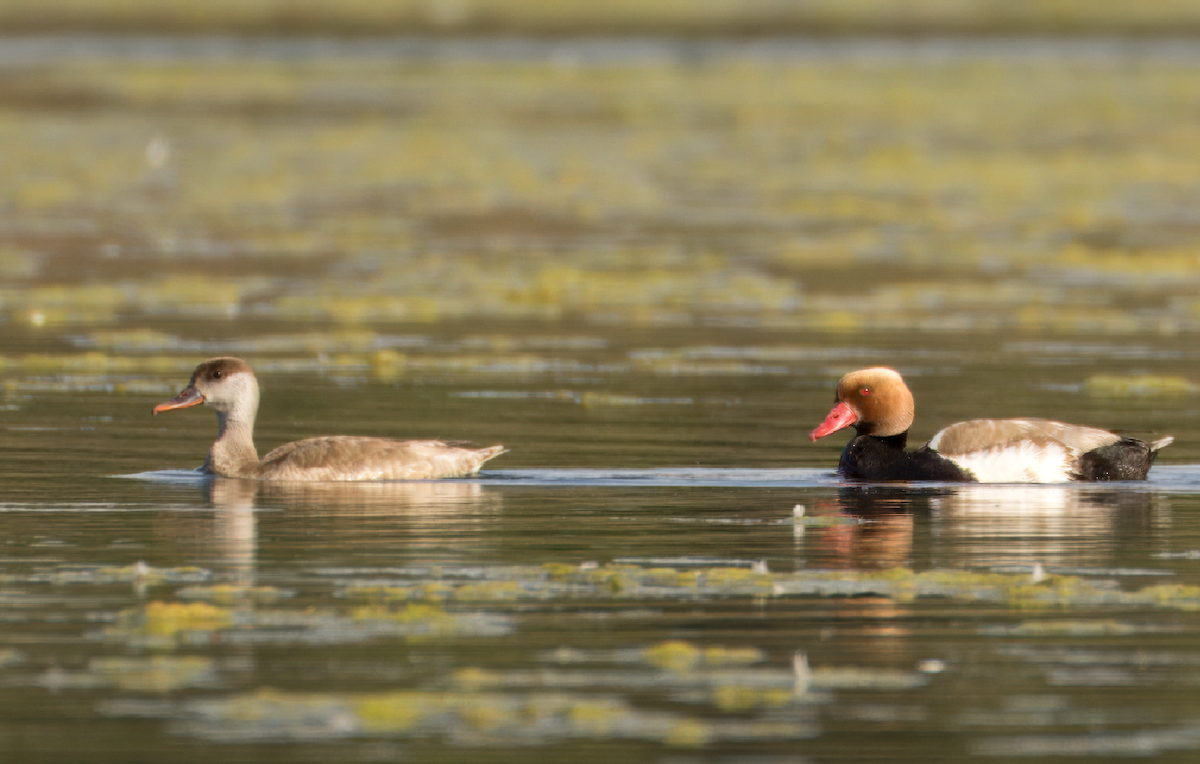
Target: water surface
point(642, 267)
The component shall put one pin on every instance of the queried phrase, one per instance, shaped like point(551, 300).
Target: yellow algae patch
point(415, 613)
point(388, 364)
point(1133, 264)
point(678, 655)
point(674, 655)
point(472, 678)
point(484, 713)
point(431, 591)
point(662, 577)
point(560, 570)
point(158, 673)
point(688, 733)
point(489, 591)
point(228, 594)
point(434, 591)
point(739, 698)
point(595, 399)
point(43, 193)
point(378, 593)
point(1062, 628)
point(595, 717)
point(170, 618)
point(1180, 596)
point(1142, 385)
point(736, 576)
point(422, 621)
point(165, 621)
point(395, 711)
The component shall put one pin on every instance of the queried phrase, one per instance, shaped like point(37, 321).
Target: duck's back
point(1043, 451)
point(340, 458)
point(985, 434)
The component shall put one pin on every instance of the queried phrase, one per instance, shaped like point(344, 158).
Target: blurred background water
point(637, 243)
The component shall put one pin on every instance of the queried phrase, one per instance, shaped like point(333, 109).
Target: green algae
point(164, 622)
point(228, 594)
point(466, 718)
point(1066, 628)
point(1019, 591)
point(154, 674)
point(139, 574)
point(170, 625)
point(1177, 596)
point(1142, 385)
point(740, 699)
point(430, 618)
point(372, 217)
point(489, 591)
point(675, 655)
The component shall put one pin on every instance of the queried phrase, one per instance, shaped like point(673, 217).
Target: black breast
point(884, 459)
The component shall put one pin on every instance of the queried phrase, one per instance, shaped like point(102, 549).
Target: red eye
point(865, 392)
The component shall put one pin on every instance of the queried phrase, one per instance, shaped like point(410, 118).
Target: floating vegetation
point(644, 194)
point(1060, 628)
point(1143, 385)
point(1140, 743)
point(140, 574)
point(625, 581)
point(542, 706)
point(228, 594)
point(167, 625)
point(153, 674)
point(683, 656)
point(470, 718)
point(596, 399)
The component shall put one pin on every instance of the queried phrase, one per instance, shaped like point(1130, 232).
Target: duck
point(229, 387)
point(880, 407)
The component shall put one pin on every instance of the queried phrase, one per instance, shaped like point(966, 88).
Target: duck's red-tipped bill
point(841, 416)
point(189, 397)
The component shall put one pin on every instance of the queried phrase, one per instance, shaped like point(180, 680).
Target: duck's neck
point(895, 441)
point(233, 454)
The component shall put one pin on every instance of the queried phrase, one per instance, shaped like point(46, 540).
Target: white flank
point(1019, 462)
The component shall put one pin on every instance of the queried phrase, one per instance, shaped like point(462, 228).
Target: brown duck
point(229, 387)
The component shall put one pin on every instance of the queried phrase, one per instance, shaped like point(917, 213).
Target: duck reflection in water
point(872, 528)
point(357, 518)
point(978, 525)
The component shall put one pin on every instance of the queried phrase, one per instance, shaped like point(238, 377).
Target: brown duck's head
point(875, 401)
point(223, 383)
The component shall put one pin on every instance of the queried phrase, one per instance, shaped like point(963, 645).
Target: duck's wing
point(1020, 450)
point(977, 435)
point(338, 458)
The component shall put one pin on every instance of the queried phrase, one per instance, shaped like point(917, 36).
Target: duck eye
point(865, 392)
point(218, 374)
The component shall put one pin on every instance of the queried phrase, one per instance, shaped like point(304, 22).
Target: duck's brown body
point(228, 385)
point(878, 404)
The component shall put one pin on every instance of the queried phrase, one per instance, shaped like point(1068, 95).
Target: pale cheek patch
point(1023, 462)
